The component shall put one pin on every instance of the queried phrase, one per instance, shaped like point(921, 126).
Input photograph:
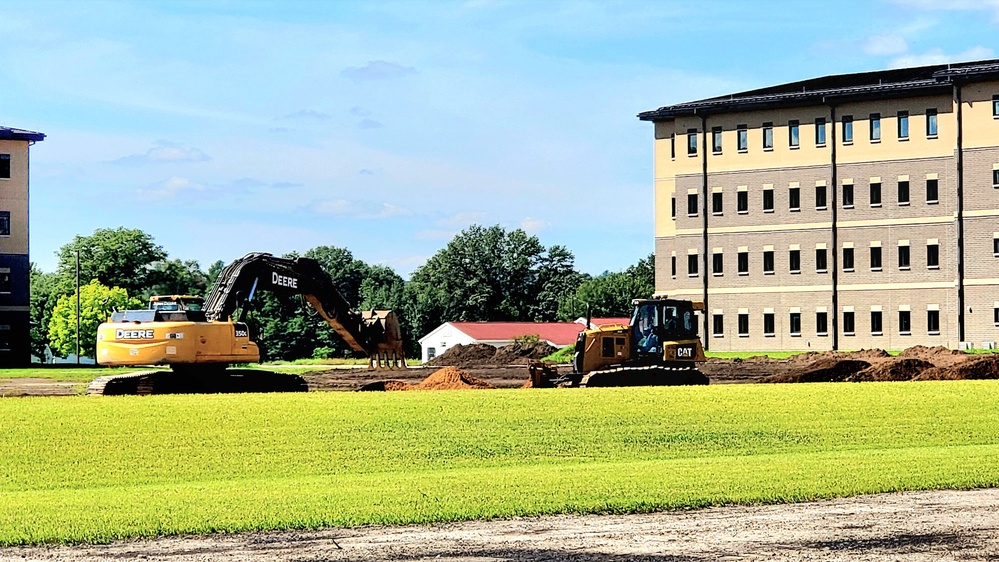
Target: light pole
point(77, 306)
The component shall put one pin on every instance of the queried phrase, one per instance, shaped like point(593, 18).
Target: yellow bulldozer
point(660, 346)
point(199, 339)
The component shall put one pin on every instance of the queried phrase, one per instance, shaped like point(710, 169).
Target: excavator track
point(144, 383)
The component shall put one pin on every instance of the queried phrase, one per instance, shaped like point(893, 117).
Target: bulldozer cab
point(175, 303)
point(659, 321)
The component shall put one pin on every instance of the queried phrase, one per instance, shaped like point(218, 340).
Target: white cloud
point(937, 56)
point(377, 70)
point(166, 152)
point(358, 209)
point(882, 45)
point(172, 187)
point(532, 225)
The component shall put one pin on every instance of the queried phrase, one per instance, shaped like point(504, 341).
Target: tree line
point(483, 274)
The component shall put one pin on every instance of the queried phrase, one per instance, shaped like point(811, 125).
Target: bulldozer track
point(649, 375)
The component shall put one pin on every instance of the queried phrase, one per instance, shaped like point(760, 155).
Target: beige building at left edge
point(15, 279)
point(841, 212)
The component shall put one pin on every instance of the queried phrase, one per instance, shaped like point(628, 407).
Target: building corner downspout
point(960, 215)
point(834, 251)
point(704, 228)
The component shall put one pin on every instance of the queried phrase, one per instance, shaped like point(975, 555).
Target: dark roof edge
point(8, 133)
point(829, 90)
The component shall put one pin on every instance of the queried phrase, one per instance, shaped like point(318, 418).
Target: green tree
point(610, 294)
point(44, 295)
point(489, 274)
point(175, 277)
point(96, 304)
point(118, 257)
point(214, 271)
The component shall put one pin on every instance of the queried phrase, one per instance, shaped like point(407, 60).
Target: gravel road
point(918, 526)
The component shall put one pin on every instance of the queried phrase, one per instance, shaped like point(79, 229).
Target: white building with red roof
point(498, 334)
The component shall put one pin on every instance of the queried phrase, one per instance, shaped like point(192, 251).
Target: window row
point(848, 198)
point(875, 327)
point(903, 258)
point(793, 133)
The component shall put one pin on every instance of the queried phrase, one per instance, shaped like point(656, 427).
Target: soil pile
point(974, 369)
point(517, 354)
point(825, 369)
point(896, 370)
point(465, 356)
point(451, 378)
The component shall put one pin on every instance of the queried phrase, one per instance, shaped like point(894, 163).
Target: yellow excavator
point(199, 339)
point(660, 346)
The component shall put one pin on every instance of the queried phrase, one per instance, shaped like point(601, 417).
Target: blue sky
point(222, 128)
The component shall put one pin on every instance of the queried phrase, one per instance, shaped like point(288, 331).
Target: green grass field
point(98, 469)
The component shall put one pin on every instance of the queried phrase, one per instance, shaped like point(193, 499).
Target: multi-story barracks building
point(842, 212)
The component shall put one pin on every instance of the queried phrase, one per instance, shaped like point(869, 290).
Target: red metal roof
point(558, 333)
point(610, 321)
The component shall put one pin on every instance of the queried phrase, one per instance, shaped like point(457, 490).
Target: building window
point(717, 263)
point(904, 322)
point(821, 261)
point(743, 263)
point(995, 247)
point(875, 127)
point(995, 178)
point(716, 203)
point(691, 204)
point(903, 125)
point(5, 283)
point(903, 257)
point(848, 129)
point(995, 106)
point(4, 166)
point(792, 133)
point(692, 142)
point(4, 223)
point(794, 261)
point(875, 258)
point(931, 123)
point(742, 138)
point(768, 136)
point(768, 200)
point(794, 198)
point(933, 256)
point(821, 323)
point(847, 196)
point(794, 322)
point(718, 325)
point(692, 265)
point(875, 191)
point(820, 131)
point(672, 146)
point(995, 316)
point(876, 329)
point(768, 262)
point(847, 259)
point(933, 322)
point(903, 192)
point(932, 191)
point(820, 197)
point(673, 266)
point(742, 202)
point(743, 325)
point(672, 201)
point(848, 327)
point(716, 140)
point(768, 325)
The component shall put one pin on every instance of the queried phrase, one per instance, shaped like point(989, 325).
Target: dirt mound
point(385, 385)
point(517, 353)
point(825, 369)
point(451, 378)
point(985, 368)
point(465, 356)
point(896, 370)
point(939, 355)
